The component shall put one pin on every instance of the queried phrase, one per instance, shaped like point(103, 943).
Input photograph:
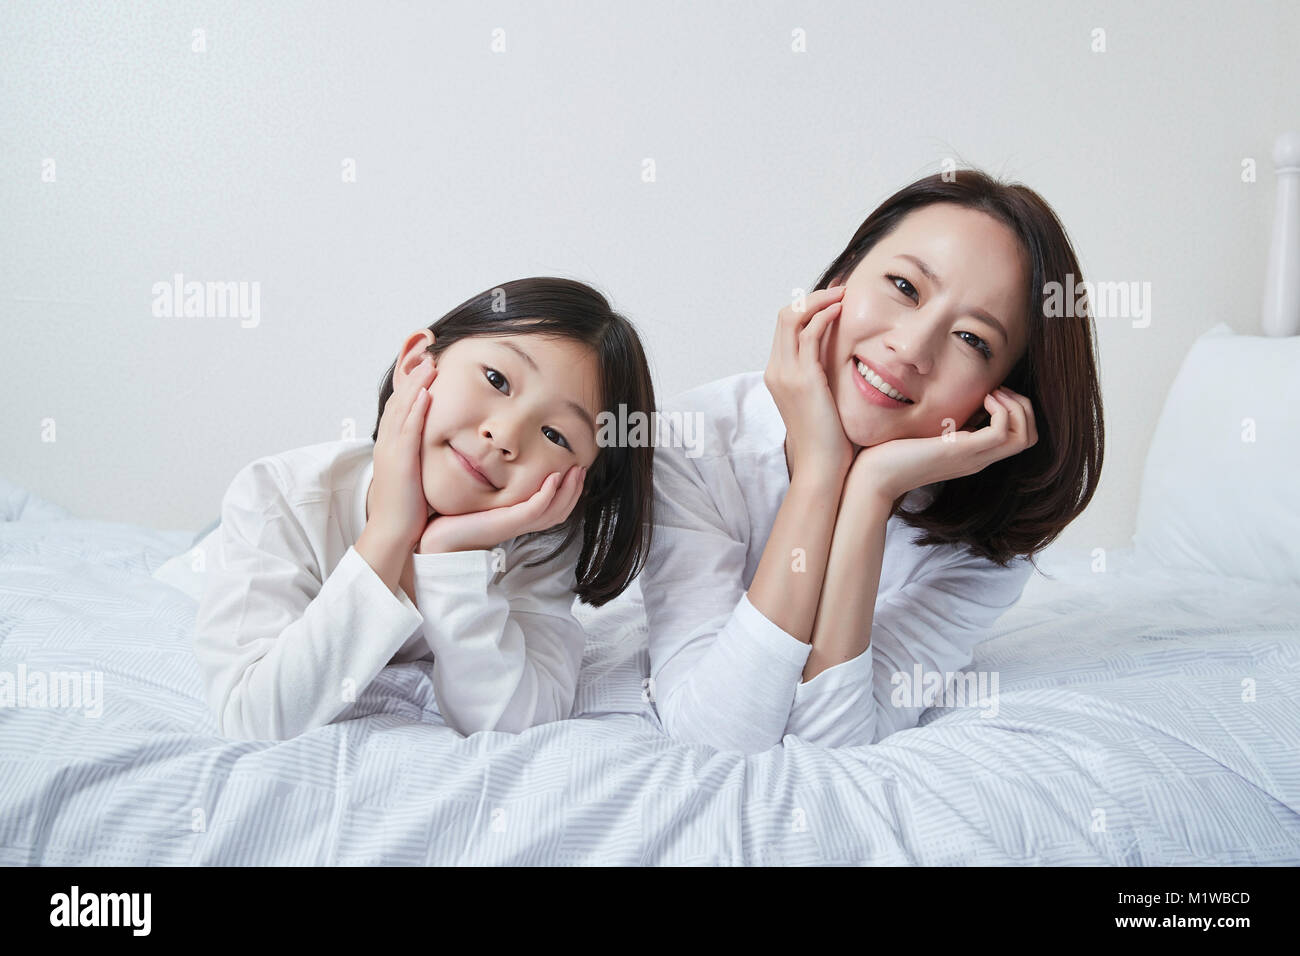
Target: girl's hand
point(893, 468)
point(483, 530)
point(815, 439)
point(398, 507)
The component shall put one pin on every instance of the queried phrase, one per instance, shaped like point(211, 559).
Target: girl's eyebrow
point(577, 409)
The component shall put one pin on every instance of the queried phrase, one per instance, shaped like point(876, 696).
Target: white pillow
point(1221, 488)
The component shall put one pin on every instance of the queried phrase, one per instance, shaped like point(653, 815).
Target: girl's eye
point(906, 283)
point(489, 372)
point(562, 441)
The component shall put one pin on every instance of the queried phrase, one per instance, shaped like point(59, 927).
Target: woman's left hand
point(483, 530)
point(893, 468)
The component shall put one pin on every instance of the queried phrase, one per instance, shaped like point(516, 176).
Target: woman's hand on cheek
point(887, 471)
point(483, 530)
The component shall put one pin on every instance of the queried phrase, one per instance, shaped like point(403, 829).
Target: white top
point(721, 672)
point(293, 623)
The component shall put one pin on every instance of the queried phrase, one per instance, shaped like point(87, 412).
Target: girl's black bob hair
point(614, 516)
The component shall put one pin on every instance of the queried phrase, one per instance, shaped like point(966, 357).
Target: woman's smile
point(870, 392)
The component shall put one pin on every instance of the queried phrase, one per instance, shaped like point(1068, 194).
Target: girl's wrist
point(385, 540)
point(445, 544)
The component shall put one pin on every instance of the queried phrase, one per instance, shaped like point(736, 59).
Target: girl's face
point(518, 407)
point(920, 332)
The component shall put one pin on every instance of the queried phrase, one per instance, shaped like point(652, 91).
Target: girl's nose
point(501, 439)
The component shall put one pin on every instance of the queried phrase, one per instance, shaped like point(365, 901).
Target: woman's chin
point(866, 434)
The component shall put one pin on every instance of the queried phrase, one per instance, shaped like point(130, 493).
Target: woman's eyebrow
point(978, 313)
point(576, 408)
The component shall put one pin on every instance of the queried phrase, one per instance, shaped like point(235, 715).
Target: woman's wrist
point(867, 501)
point(817, 483)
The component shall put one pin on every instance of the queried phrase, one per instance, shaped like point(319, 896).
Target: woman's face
point(518, 407)
point(920, 332)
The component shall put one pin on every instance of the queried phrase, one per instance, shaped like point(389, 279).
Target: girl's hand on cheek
point(398, 509)
point(887, 471)
point(483, 530)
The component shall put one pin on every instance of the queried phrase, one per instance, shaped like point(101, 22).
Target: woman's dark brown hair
point(1020, 504)
point(614, 516)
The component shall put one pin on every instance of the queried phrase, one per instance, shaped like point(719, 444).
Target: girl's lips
point(872, 394)
point(471, 470)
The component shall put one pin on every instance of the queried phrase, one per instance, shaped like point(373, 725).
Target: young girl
point(425, 542)
point(787, 590)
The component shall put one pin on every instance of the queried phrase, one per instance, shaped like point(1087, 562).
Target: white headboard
point(1281, 314)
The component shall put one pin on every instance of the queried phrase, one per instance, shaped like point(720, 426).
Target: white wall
point(474, 167)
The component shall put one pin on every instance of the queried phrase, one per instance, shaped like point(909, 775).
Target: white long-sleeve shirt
point(721, 672)
point(293, 623)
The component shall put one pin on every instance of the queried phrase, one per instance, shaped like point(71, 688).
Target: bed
point(1119, 736)
point(1147, 709)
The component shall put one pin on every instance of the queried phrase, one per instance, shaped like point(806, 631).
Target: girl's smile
point(506, 411)
point(473, 470)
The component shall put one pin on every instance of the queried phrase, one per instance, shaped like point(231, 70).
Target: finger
point(1030, 429)
point(535, 506)
point(566, 495)
point(793, 319)
point(404, 391)
point(1016, 424)
point(416, 396)
point(811, 336)
point(510, 521)
point(421, 375)
point(413, 426)
point(572, 493)
point(815, 301)
point(995, 432)
point(564, 501)
point(783, 345)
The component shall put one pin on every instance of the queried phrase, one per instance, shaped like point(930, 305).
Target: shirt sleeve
point(280, 650)
point(506, 653)
point(721, 673)
point(932, 624)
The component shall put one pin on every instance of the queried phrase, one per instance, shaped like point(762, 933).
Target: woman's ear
point(979, 418)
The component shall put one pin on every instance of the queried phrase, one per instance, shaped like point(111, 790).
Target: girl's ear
point(416, 347)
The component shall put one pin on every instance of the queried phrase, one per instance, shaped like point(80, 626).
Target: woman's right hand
point(399, 510)
point(815, 439)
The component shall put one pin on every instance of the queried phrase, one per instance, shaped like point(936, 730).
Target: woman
point(839, 534)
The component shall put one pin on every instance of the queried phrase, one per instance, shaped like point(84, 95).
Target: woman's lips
point(872, 394)
point(471, 470)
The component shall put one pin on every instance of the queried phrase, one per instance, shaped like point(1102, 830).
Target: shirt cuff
point(396, 609)
point(852, 673)
point(447, 572)
point(775, 641)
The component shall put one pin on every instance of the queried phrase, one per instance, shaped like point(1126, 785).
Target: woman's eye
point(906, 283)
point(978, 344)
point(489, 372)
point(982, 347)
point(562, 441)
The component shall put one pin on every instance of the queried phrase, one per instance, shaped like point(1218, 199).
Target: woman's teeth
point(874, 379)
